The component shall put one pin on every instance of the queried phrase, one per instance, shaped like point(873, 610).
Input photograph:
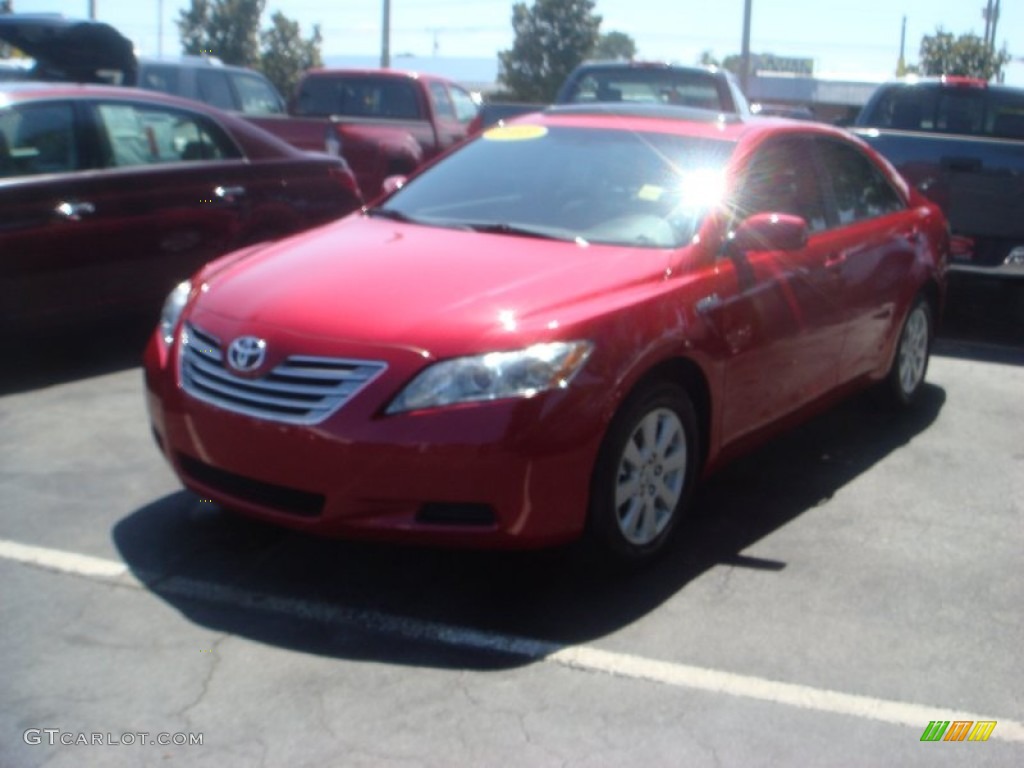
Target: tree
point(551, 39)
point(967, 55)
point(227, 29)
point(615, 45)
point(707, 59)
point(286, 55)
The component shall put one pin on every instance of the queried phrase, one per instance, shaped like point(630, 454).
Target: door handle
point(708, 303)
point(228, 194)
point(834, 260)
point(74, 211)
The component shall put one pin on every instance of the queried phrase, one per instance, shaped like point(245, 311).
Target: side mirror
point(769, 232)
point(392, 184)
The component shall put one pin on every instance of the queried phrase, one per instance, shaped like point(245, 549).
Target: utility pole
point(901, 66)
point(92, 9)
point(986, 12)
point(745, 52)
point(159, 29)
point(385, 37)
point(995, 21)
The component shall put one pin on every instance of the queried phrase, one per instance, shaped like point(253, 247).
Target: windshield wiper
point(503, 228)
point(390, 213)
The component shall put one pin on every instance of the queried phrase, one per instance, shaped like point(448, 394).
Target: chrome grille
point(300, 390)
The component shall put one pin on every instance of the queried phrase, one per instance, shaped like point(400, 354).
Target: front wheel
point(644, 474)
point(911, 363)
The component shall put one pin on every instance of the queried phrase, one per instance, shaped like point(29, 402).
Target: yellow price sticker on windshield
point(650, 193)
point(515, 132)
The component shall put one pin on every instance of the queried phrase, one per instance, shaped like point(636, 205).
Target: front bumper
point(508, 474)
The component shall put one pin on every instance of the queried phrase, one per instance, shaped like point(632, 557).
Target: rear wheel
point(914, 348)
point(644, 474)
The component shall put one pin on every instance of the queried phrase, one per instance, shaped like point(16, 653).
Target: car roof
point(193, 62)
point(18, 91)
point(395, 74)
point(640, 65)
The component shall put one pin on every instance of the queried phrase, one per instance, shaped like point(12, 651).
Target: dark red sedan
point(111, 196)
point(555, 330)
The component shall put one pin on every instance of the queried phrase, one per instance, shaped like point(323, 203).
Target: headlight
point(172, 310)
point(496, 375)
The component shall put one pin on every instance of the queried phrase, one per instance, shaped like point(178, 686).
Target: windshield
point(603, 186)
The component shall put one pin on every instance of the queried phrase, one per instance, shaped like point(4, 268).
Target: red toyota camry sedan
point(553, 331)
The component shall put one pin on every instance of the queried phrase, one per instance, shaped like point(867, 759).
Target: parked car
point(71, 50)
point(110, 196)
point(383, 122)
point(961, 142)
point(560, 345)
point(646, 82)
point(207, 79)
point(633, 82)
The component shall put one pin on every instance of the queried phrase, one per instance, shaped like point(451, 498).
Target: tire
point(644, 475)
point(909, 366)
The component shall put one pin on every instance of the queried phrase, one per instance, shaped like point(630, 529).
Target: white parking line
point(583, 657)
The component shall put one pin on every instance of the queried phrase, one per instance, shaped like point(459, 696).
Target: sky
point(850, 40)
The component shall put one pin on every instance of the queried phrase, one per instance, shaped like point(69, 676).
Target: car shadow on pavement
point(332, 597)
point(56, 358)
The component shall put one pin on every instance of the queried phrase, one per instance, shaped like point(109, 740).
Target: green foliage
point(967, 55)
point(230, 30)
point(551, 39)
point(227, 29)
point(286, 55)
point(707, 59)
point(614, 45)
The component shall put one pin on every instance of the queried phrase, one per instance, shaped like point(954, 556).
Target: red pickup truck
point(384, 122)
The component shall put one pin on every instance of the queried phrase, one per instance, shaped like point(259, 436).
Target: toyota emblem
point(246, 353)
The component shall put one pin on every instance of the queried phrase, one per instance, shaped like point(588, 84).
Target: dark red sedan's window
point(138, 134)
point(37, 139)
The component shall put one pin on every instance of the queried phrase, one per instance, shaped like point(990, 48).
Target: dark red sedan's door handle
point(74, 211)
point(229, 194)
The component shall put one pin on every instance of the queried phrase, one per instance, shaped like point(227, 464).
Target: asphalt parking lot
point(834, 593)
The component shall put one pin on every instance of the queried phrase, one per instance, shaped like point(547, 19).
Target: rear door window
point(145, 135)
point(37, 139)
point(859, 189)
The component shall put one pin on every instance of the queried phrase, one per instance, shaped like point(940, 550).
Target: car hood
point(69, 49)
point(441, 290)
